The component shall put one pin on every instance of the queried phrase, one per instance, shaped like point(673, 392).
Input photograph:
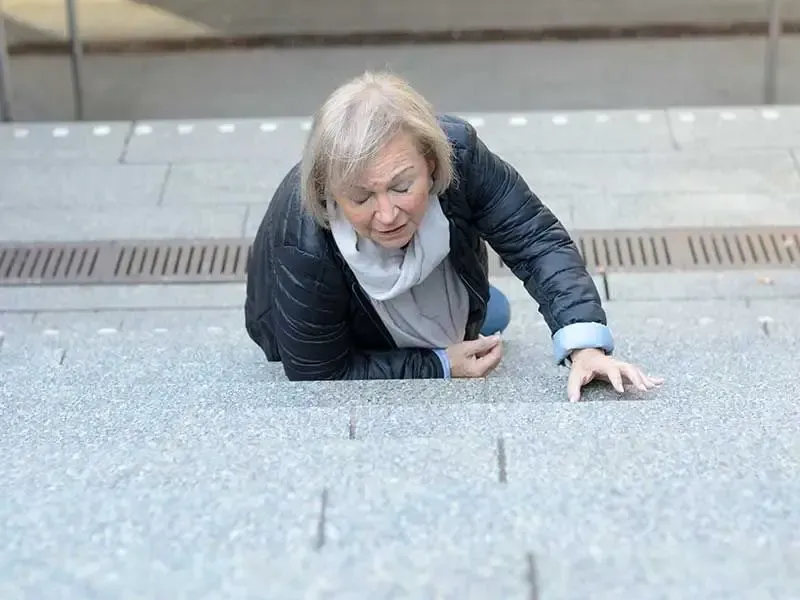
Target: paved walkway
point(153, 453)
point(597, 169)
point(33, 20)
point(148, 449)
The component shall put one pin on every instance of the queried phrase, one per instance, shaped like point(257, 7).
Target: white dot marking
point(687, 117)
point(214, 329)
point(477, 121)
point(728, 116)
point(765, 319)
point(106, 330)
point(705, 320)
point(517, 121)
point(227, 128)
point(21, 133)
point(60, 132)
point(305, 125)
point(770, 115)
point(143, 130)
point(160, 330)
point(185, 128)
point(101, 130)
point(560, 120)
point(644, 117)
point(50, 332)
point(267, 127)
point(602, 118)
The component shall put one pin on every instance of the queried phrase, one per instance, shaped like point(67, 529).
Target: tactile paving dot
point(515, 121)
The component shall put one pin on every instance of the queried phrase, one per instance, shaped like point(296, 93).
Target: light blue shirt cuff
point(579, 336)
point(442, 354)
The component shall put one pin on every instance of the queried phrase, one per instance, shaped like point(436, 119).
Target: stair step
point(692, 514)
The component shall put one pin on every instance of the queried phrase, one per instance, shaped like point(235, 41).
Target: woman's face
point(387, 206)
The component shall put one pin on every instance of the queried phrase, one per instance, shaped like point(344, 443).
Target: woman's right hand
point(475, 358)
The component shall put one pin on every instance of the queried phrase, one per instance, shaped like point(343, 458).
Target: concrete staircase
point(153, 454)
point(148, 451)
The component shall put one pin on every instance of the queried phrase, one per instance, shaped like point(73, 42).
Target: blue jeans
point(498, 313)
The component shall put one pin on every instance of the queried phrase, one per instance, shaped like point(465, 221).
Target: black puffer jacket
point(305, 308)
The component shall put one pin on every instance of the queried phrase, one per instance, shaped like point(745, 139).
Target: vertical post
point(771, 66)
point(5, 73)
point(76, 59)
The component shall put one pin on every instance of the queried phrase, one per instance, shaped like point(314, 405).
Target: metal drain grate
point(225, 260)
point(172, 261)
point(661, 250)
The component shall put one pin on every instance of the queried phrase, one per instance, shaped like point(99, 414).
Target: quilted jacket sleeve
point(311, 328)
point(537, 248)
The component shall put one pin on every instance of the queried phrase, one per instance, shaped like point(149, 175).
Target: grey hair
point(352, 126)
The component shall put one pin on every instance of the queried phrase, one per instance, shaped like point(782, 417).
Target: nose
point(386, 211)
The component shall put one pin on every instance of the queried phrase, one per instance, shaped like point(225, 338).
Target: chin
point(395, 243)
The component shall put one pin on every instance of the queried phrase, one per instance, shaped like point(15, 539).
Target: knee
point(498, 313)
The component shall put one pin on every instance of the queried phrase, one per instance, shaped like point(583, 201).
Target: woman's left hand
point(591, 364)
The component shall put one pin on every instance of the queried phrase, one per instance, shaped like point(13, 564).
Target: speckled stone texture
point(148, 451)
point(154, 453)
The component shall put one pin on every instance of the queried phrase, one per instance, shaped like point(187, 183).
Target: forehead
point(400, 153)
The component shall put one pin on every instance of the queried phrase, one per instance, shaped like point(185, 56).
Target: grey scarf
point(415, 290)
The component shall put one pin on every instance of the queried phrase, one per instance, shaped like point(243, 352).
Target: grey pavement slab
point(121, 222)
point(720, 171)
point(279, 142)
point(555, 427)
point(121, 297)
point(16, 322)
point(218, 171)
point(74, 186)
point(654, 540)
point(682, 209)
point(703, 349)
point(741, 285)
point(162, 456)
point(223, 183)
point(210, 514)
point(750, 284)
point(740, 128)
point(275, 143)
point(576, 131)
point(99, 142)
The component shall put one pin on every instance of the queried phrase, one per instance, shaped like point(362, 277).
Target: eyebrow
point(394, 178)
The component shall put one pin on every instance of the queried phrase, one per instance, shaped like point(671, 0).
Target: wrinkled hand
point(475, 358)
point(591, 364)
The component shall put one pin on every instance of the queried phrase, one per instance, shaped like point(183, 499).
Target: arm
point(537, 249)
point(312, 329)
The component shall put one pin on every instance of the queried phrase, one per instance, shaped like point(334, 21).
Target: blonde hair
point(354, 123)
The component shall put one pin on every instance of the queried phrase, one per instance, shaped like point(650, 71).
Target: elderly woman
point(370, 262)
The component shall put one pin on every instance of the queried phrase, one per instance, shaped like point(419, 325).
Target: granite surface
point(153, 452)
point(149, 450)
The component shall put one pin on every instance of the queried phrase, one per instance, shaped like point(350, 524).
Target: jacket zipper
point(472, 289)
